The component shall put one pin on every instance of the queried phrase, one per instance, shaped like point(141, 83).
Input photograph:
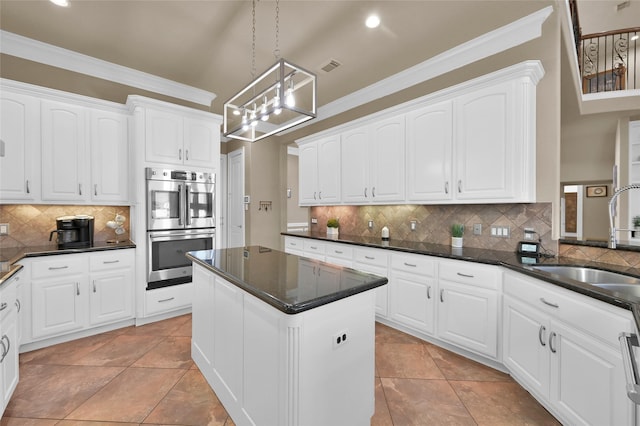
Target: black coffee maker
point(73, 231)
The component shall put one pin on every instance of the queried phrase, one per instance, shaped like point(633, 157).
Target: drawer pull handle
point(541, 335)
point(338, 251)
point(553, 305)
point(410, 264)
point(369, 257)
point(441, 295)
point(53, 268)
point(3, 306)
point(166, 300)
point(429, 292)
point(552, 336)
point(627, 342)
point(313, 248)
point(294, 244)
point(465, 275)
point(110, 261)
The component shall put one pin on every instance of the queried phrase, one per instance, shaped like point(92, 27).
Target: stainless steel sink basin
point(589, 275)
point(612, 281)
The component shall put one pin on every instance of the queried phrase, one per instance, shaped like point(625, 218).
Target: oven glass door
point(164, 205)
point(168, 263)
point(200, 206)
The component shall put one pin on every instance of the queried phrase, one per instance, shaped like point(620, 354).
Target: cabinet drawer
point(8, 295)
point(114, 259)
point(293, 244)
point(371, 257)
point(169, 298)
point(590, 315)
point(414, 263)
point(57, 266)
point(342, 251)
point(313, 246)
point(471, 273)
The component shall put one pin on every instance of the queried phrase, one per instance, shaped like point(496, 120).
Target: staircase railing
point(609, 60)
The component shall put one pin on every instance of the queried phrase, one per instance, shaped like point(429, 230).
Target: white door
point(235, 199)
point(221, 207)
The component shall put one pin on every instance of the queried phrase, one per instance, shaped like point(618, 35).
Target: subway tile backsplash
point(31, 224)
point(433, 222)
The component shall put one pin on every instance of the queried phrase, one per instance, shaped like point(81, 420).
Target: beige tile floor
point(145, 375)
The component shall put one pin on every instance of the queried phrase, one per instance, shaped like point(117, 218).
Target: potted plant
point(457, 230)
point(332, 227)
point(636, 226)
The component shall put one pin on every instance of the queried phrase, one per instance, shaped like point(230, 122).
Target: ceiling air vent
point(330, 66)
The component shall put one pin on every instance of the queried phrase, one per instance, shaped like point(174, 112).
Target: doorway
point(235, 199)
point(571, 206)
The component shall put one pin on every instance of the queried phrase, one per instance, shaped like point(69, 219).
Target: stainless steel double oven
point(180, 218)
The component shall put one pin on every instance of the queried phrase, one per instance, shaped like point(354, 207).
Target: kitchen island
point(285, 340)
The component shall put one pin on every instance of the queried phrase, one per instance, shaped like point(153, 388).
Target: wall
point(31, 224)
point(434, 222)
point(595, 215)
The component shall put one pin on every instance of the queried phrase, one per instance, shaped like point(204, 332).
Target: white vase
point(456, 241)
point(332, 232)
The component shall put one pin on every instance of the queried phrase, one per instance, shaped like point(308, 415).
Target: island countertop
point(279, 279)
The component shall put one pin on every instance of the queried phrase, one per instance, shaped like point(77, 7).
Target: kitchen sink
point(607, 280)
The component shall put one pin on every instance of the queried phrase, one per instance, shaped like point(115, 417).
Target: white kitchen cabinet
point(339, 254)
point(413, 292)
point(111, 278)
point(294, 245)
point(58, 305)
point(373, 162)
point(309, 273)
point(109, 156)
point(319, 177)
point(9, 340)
point(64, 149)
point(174, 138)
point(468, 309)
point(375, 261)
point(203, 315)
point(20, 135)
point(562, 347)
point(429, 153)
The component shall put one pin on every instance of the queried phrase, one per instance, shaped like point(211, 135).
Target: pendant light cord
point(253, 42)
point(276, 52)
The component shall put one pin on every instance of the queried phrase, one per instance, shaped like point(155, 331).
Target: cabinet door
point(58, 305)
point(109, 156)
point(429, 145)
point(111, 296)
point(486, 142)
point(64, 157)
point(587, 379)
point(329, 170)
point(20, 135)
point(164, 137)
point(468, 317)
point(386, 160)
point(202, 312)
point(308, 174)
point(412, 301)
point(355, 150)
point(9, 364)
point(201, 143)
point(382, 293)
point(525, 345)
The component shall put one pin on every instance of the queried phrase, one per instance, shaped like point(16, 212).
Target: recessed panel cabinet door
point(111, 296)
point(64, 168)
point(201, 143)
point(308, 174)
point(164, 137)
point(109, 156)
point(386, 160)
point(355, 149)
point(58, 305)
point(20, 135)
point(329, 170)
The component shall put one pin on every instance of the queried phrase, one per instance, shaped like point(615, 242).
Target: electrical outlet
point(477, 229)
point(4, 229)
point(413, 225)
point(528, 233)
point(340, 339)
point(314, 221)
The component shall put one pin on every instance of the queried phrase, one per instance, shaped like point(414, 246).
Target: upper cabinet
point(471, 143)
point(373, 167)
point(319, 178)
point(19, 150)
point(109, 156)
point(178, 139)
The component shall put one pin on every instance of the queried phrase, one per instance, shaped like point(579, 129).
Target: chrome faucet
point(612, 228)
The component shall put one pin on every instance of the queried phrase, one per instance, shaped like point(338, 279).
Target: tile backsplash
point(433, 222)
point(31, 224)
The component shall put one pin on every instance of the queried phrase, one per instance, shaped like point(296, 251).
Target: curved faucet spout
point(612, 203)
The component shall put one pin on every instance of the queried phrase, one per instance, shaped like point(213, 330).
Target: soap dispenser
point(385, 234)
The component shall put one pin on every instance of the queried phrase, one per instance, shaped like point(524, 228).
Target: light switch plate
point(4, 229)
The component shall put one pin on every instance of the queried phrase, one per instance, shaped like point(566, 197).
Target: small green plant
point(636, 221)
point(457, 230)
point(333, 223)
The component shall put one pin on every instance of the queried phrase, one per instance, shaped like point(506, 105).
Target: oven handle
point(627, 342)
point(187, 210)
point(180, 206)
point(169, 237)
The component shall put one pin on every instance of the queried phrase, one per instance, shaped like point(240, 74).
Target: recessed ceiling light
point(63, 3)
point(373, 21)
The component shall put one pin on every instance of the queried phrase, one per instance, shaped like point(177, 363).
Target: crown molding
point(37, 51)
point(496, 41)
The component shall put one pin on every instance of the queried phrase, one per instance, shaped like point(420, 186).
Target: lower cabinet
point(9, 343)
point(58, 305)
point(567, 365)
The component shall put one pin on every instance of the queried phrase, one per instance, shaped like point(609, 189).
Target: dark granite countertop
point(274, 277)
point(10, 255)
point(509, 260)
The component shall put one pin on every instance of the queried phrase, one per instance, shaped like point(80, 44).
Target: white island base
point(269, 368)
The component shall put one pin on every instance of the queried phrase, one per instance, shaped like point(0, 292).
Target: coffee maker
point(73, 231)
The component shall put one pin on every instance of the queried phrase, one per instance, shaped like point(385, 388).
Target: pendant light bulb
point(245, 123)
point(254, 121)
point(263, 111)
point(277, 109)
point(289, 99)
